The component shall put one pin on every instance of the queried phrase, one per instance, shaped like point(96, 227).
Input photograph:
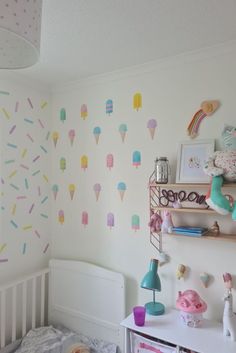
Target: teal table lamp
point(152, 281)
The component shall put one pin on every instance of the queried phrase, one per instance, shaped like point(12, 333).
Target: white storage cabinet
point(167, 334)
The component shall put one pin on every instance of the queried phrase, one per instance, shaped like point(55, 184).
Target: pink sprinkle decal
point(30, 137)
point(21, 197)
point(37, 233)
point(16, 107)
point(41, 124)
point(30, 103)
point(31, 208)
point(24, 166)
point(12, 129)
point(39, 191)
point(36, 158)
point(46, 248)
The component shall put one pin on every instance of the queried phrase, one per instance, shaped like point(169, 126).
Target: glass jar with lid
point(162, 170)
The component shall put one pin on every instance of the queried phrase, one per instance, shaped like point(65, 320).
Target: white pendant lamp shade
point(20, 27)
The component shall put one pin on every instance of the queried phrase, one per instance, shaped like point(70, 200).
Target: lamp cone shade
point(152, 282)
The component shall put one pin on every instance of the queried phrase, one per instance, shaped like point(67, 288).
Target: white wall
point(25, 121)
point(172, 92)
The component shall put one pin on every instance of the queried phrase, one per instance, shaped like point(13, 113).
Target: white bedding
point(61, 340)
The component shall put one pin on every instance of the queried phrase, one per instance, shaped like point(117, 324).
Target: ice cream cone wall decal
point(137, 101)
point(83, 111)
point(123, 130)
point(121, 187)
point(63, 164)
point(71, 189)
point(84, 162)
point(55, 137)
point(151, 125)
point(61, 217)
point(110, 220)
point(135, 222)
point(97, 133)
point(136, 159)
point(97, 190)
point(62, 115)
point(109, 106)
point(110, 161)
point(85, 218)
point(71, 135)
point(55, 189)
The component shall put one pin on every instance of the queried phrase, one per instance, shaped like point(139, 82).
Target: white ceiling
point(82, 38)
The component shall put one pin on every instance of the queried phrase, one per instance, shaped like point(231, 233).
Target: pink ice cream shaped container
point(191, 308)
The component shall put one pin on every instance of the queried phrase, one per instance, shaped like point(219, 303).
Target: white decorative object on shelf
point(20, 27)
point(229, 318)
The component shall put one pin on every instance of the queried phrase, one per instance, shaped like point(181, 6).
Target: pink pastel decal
point(110, 161)
point(30, 103)
point(110, 220)
point(55, 189)
point(109, 106)
point(84, 162)
point(84, 111)
point(61, 217)
point(136, 159)
point(121, 187)
point(63, 164)
point(123, 130)
point(71, 189)
point(71, 135)
point(135, 222)
point(97, 133)
point(151, 125)
point(97, 190)
point(85, 218)
point(12, 129)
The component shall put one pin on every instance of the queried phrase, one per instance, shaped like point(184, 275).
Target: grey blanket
point(61, 340)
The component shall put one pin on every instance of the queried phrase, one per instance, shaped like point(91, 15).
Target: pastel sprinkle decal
point(24, 248)
point(16, 107)
point(30, 137)
point(135, 222)
point(110, 220)
point(24, 166)
point(10, 161)
point(44, 199)
point(83, 111)
point(84, 162)
point(109, 106)
point(3, 260)
point(121, 187)
point(61, 217)
point(137, 101)
point(26, 184)
point(110, 161)
point(11, 145)
point(55, 137)
point(48, 135)
point(97, 133)
point(28, 121)
point(123, 130)
point(71, 188)
point(85, 218)
point(12, 129)
point(43, 215)
point(12, 174)
point(71, 135)
point(28, 227)
point(2, 247)
point(36, 158)
point(14, 186)
point(30, 103)
point(55, 189)
point(97, 189)
point(43, 105)
point(62, 115)
point(14, 224)
point(37, 233)
point(7, 115)
point(46, 248)
point(24, 153)
point(63, 164)
point(151, 125)
point(13, 211)
point(31, 208)
point(43, 148)
point(35, 173)
point(39, 191)
point(21, 197)
point(5, 93)
point(45, 178)
point(41, 124)
point(136, 159)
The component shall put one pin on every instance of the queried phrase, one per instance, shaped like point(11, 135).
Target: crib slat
point(3, 318)
point(34, 303)
point(13, 329)
point(24, 298)
point(42, 305)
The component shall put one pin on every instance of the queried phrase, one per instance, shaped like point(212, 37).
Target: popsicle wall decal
point(137, 101)
point(109, 106)
point(136, 159)
point(85, 218)
point(71, 188)
point(62, 115)
point(135, 222)
point(121, 187)
point(83, 111)
point(97, 132)
point(151, 125)
point(110, 220)
point(55, 137)
point(61, 217)
point(110, 161)
point(123, 130)
point(84, 162)
point(55, 189)
point(71, 135)
point(63, 164)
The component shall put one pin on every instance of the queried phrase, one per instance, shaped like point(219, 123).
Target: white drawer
point(140, 344)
